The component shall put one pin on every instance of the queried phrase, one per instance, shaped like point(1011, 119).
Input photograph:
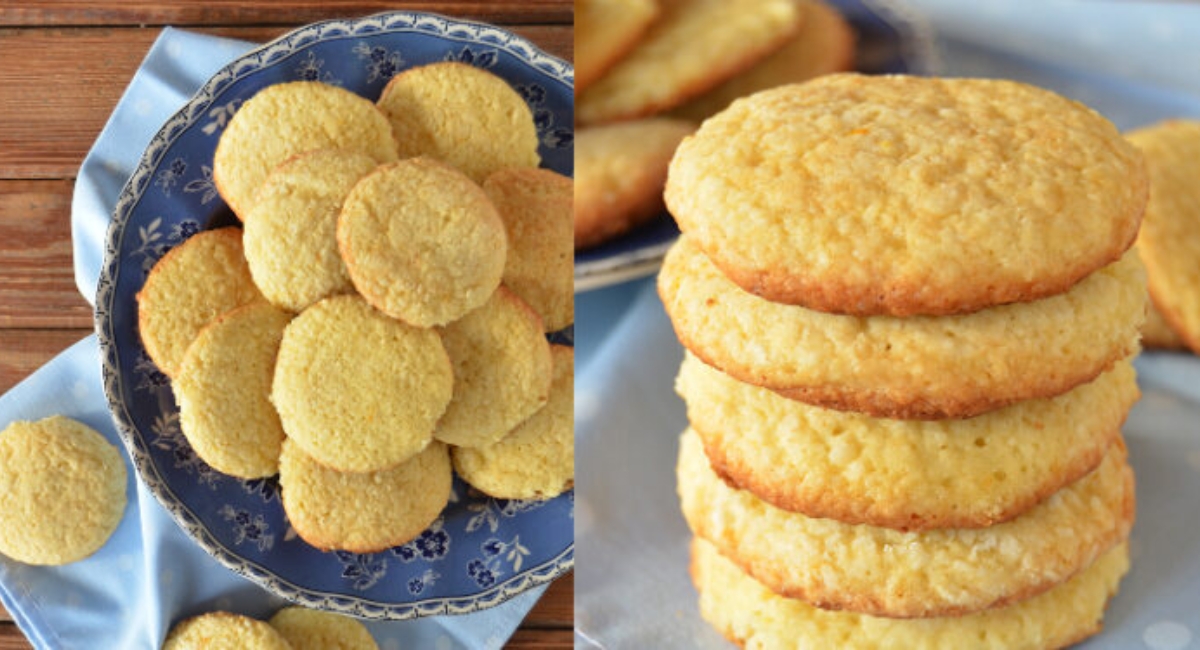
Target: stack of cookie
point(909, 315)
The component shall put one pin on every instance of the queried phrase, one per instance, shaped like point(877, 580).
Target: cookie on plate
point(752, 616)
point(191, 285)
point(357, 390)
point(903, 474)
point(224, 391)
point(691, 47)
point(537, 459)
point(620, 171)
point(62, 491)
point(310, 629)
point(364, 512)
point(535, 205)
point(502, 371)
point(886, 572)
point(423, 243)
point(914, 368)
point(224, 631)
point(605, 30)
point(904, 195)
point(461, 115)
point(291, 233)
point(287, 119)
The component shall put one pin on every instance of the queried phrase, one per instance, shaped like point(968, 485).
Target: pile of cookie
point(382, 315)
point(909, 314)
point(647, 72)
point(291, 628)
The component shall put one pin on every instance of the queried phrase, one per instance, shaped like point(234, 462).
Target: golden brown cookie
point(1157, 333)
point(224, 631)
point(310, 629)
point(605, 30)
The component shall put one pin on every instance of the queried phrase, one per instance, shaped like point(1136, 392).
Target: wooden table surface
point(63, 65)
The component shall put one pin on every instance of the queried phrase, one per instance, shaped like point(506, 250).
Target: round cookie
point(885, 572)
point(357, 390)
point(191, 285)
point(310, 629)
point(1169, 242)
point(291, 118)
point(224, 392)
point(537, 459)
point(224, 631)
point(824, 45)
point(1157, 333)
point(390, 507)
point(913, 368)
point(691, 47)
point(291, 233)
point(502, 371)
point(536, 208)
point(461, 115)
point(907, 195)
point(751, 616)
point(620, 171)
point(62, 491)
point(422, 242)
point(903, 474)
point(605, 30)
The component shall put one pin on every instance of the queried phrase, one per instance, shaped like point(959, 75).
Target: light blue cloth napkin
point(150, 574)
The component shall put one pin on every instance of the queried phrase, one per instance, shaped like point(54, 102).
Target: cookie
point(422, 242)
point(363, 512)
point(691, 47)
point(537, 459)
point(62, 491)
point(536, 208)
point(310, 629)
point(224, 631)
point(291, 233)
point(913, 368)
point(885, 572)
point(823, 45)
point(620, 171)
point(1169, 242)
point(502, 371)
point(357, 390)
point(461, 115)
point(903, 474)
point(1157, 333)
point(224, 392)
point(751, 616)
point(291, 118)
point(191, 285)
point(605, 30)
point(907, 195)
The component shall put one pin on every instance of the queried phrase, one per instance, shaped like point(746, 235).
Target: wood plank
point(24, 351)
point(12, 639)
point(209, 12)
point(53, 105)
point(526, 639)
point(556, 609)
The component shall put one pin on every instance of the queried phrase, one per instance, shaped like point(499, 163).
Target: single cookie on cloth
point(357, 390)
point(928, 367)
point(363, 512)
point(291, 118)
point(461, 115)
point(191, 285)
point(605, 30)
point(620, 171)
point(502, 371)
point(824, 45)
point(224, 391)
point(310, 629)
point(885, 572)
point(536, 208)
point(753, 616)
point(224, 631)
point(537, 459)
point(291, 233)
point(903, 474)
point(906, 195)
point(62, 491)
point(691, 47)
point(423, 243)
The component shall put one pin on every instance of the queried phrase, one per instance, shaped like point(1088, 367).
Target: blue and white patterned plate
point(891, 39)
point(481, 551)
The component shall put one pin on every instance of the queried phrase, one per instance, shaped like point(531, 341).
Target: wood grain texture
point(23, 350)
